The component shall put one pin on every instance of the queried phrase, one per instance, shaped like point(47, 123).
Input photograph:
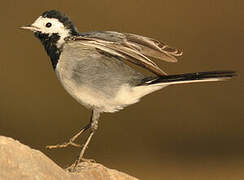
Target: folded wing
point(133, 48)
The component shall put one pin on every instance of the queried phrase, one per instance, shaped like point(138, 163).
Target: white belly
point(95, 99)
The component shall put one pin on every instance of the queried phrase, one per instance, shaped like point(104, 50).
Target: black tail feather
point(189, 77)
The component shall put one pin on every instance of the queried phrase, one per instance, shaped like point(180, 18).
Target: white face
point(50, 26)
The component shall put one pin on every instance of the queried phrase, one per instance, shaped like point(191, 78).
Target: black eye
point(48, 25)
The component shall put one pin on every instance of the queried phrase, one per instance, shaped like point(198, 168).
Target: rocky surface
point(18, 161)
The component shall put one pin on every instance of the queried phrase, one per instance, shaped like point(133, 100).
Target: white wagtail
point(94, 66)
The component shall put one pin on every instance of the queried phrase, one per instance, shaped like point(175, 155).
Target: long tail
point(190, 78)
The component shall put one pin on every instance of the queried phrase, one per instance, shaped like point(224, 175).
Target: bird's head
point(52, 26)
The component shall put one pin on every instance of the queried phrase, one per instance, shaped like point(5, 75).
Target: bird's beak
point(30, 27)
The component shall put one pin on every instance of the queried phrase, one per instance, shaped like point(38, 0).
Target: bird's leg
point(94, 125)
point(71, 140)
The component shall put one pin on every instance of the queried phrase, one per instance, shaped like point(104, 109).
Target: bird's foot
point(66, 144)
point(79, 164)
point(71, 140)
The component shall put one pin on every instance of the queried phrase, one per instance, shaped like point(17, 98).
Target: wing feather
point(153, 48)
point(131, 47)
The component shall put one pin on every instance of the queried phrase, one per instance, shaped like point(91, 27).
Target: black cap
point(62, 18)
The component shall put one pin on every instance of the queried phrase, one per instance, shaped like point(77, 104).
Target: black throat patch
point(50, 44)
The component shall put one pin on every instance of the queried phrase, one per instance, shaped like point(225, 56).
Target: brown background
point(182, 132)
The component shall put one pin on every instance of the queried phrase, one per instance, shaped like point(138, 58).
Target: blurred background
point(193, 131)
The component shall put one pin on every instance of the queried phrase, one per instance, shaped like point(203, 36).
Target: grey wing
point(110, 36)
point(134, 48)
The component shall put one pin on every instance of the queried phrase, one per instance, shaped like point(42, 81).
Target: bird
point(98, 68)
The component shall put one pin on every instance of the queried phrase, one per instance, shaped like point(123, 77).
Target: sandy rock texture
point(18, 161)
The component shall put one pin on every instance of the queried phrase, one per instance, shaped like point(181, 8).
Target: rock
point(18, 161)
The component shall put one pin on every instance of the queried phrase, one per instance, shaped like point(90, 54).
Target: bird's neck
point(50, 45)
